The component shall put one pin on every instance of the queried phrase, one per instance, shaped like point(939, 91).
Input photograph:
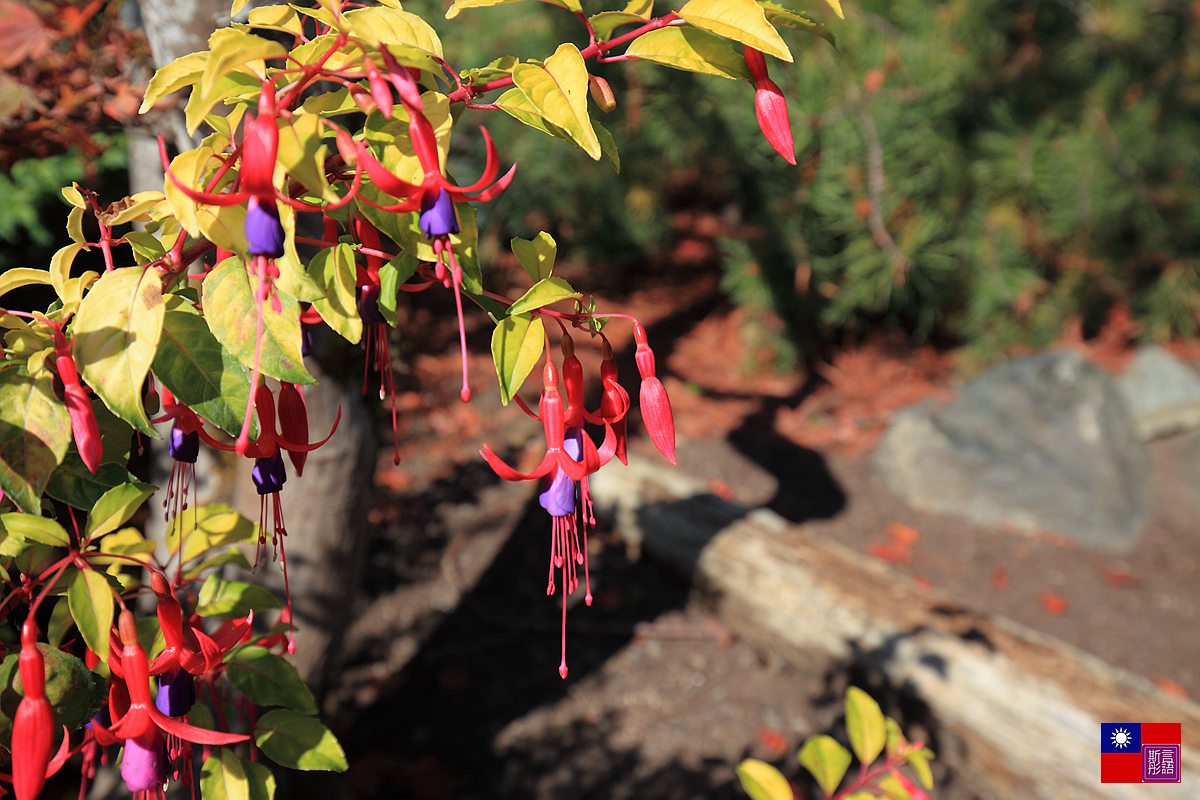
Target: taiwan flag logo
point(1140, 752)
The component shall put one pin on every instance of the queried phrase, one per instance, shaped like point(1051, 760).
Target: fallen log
point(1017, 712)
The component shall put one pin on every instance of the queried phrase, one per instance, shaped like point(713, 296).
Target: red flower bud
point(602, 93)
point(83, 418)
point(614, 403)
point(260, 146)
point(770, 107)
point(380, 90)
point(653, 400)
point(33, 726)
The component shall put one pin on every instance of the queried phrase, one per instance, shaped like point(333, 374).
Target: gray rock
point(1163, 393)
point(1041, 443)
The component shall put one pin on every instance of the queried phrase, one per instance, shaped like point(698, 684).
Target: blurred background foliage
point(971, 172)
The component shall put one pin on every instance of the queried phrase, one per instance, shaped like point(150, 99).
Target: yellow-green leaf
point(91, 600)
point(536, 255)
point(559, 93)
point(836, 5)
point(517, 344)
point(690, 49)
point(73, 196)
point(893, 789)
point(919, 761)
point(230, 49)
point(299, 742)
point(334, 271)
point(864, 725)
point(740, 20)
point(32, 528)
point(224, 777)
point(762, 781)
point(232, 315)
point(24, 276)
point(302, 153)
point(206, 527)
point(275, 18)
point(542, 294)
point(826, 760)
point(604, 23)
point(75, 225)
point(411, 39)
point(115, 507)
point(459, 5)
point(60, 269)
point(183, 71)
point(116, 333)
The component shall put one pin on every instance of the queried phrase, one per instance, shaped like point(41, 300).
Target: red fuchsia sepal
point(33, 725)
point(614, 403)
point(403, 79)
point(84, 428)
point(187, 646)
point(381, 93)
point(653, 400)
point(770, 106)
point(293, 422)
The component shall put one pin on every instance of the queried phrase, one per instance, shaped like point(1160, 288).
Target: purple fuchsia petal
point(145, 765)
point(269, 473)
point(183, 445)
point(368, 306)
point(263, 230)
point(176, 692)
point(438, 217)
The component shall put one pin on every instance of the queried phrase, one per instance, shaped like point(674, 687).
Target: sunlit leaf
point(302, 152)
point(115, 337)
point(762, 781)
point(391, 276)
point(223, 777)
point(459, 5)
point(559, 93)
point(17, 277)
point(536, 255)
point(517, 344)
point(183, 71)
point(411, 39)
point(91, 600)
point(299, 742)
point(826, 760)
point(232, 599)
point(740, 20)
point(919, 761)
point(690, 49)
point(864, 725)
point(232, 316)
point(32, 528)
point(779, 16)
point(206, 527)
point(115, 507)
point(230, 49)
point(334, 271)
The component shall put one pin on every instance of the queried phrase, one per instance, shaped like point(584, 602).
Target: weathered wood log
point(1021, 709)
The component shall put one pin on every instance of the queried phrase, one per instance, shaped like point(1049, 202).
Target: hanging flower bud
point(614, 403)
point(770, 106)
point(653, 400)
point(145, 765)
point(33, 726)
point(404, 81)
point(380, 91)
point(84, 428)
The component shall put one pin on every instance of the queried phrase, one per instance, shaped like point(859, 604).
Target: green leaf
point(762, 781)
point(229, 49)
point(32, 528)
point(544, 293)
point(779, 16)
point(559, 93)
point(536, 255)
point(299, 742)
point(895, 736)
point(826, 760)
point(242, 84)
point(262, 782)
point(74, 484)
point(919, 761)
point(893, 788)
point(836, 5)
point(391, 276)
point(183, 71)
point(231, 556)
point(517, 345)
point(740, 20)
point(231, 599)
point(115, 507)
point(604, 23)
point(35, 430)
point(224, 777)
point(74, 691)
point(608, 146)
point(91, 600)
point(864, 725)
point(207, 527)
point(690, 49)
point(459, 5)
point(199, 371)
point(232, 316)
point(269, 680)
point(276, 18)
point(115, 336)
point(333, 270)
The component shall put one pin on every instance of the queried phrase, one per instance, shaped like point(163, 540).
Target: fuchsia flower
point(435, 196)
point(770, 106)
